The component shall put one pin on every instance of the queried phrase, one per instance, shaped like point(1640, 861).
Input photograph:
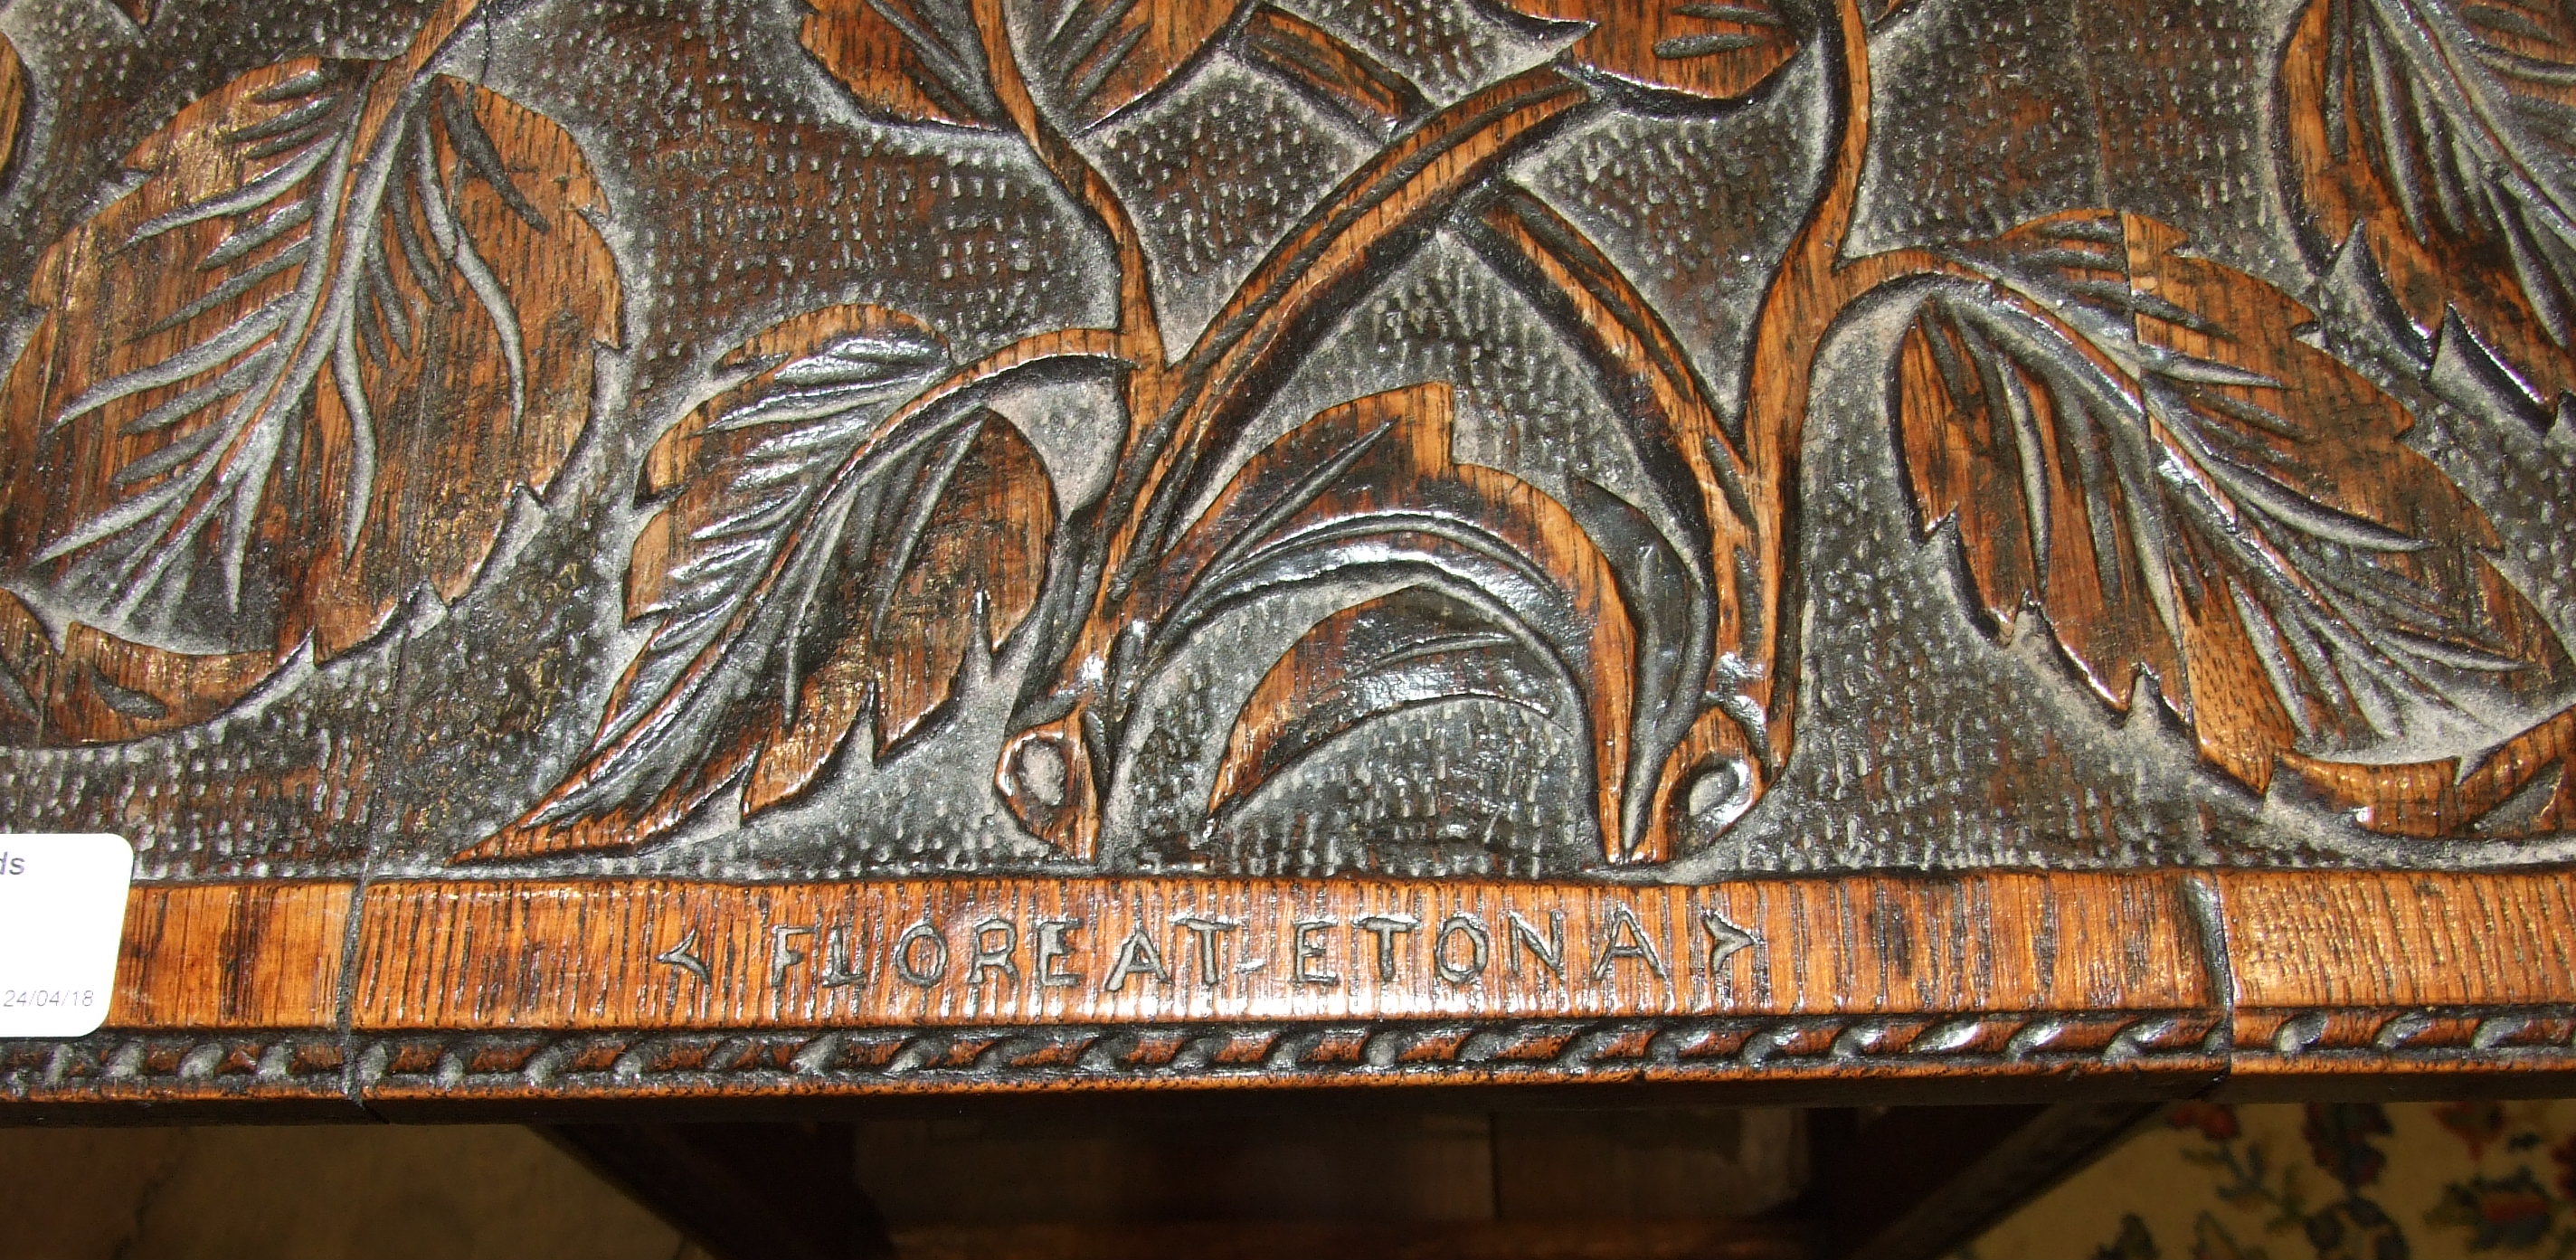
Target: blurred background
point(2190, 1180)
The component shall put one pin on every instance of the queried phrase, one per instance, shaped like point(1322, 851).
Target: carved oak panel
point(939, 515)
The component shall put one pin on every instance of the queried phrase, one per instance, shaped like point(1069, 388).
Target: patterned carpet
point(2367, 1181)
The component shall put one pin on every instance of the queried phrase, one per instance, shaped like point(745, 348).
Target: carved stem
point(385, 94)
point(1196, 409)
point(1756, 656)
point(1140, 333)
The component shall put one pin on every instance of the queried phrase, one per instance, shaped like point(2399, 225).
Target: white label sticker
point(62, 916)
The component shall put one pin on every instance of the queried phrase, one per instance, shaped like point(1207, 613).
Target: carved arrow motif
point(680, 956)
point(1725, 938)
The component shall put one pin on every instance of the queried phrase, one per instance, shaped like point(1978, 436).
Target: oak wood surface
point(2144, 985)
point(1823, 549)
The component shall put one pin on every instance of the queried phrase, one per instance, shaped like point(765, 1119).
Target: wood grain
point(2401, 982)
point(573, 955)
point(2421, 939)
point(565, 989)
point(323, 353)
point(222, 956)
point(919, 546)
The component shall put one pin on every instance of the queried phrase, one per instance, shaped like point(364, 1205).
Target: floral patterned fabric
point(2336, 1181)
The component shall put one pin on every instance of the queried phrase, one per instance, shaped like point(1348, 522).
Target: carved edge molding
point(2184, 1050)
point(117, 1070)
point(2305, 1041)
point(317, 1064)
point(2246, 982)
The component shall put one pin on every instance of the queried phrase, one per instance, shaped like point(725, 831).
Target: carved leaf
point(2523, 789)
point(1055, 764)
point(1693, 584)
point(305, 367)
point(1397, 652)
point(1096, 57)
point(2444, 136)
point(847, 535)
point(2133, 444)
point(97, 688)
point(1325, 69)
point(13, 102)
point(907, 60)
point(925, 60)
point(1711, 50)
point(1368, 493)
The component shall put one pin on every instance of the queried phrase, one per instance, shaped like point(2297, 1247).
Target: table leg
point(1919, 1181)
point(741, 1191)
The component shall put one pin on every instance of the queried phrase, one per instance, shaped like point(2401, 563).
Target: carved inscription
point(1841, 981)
point(888, 953)
point(1193, 949)
point(854, 544)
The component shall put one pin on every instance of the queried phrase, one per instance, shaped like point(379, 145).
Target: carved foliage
point(926, 60)
point(1097, 56)
point(1677, 52)
point(2134, 446)
point(1524, 606)
point(1413, 648)
point(1689, 572)
point(2438, 134)
point(906, 60)
point(299, 372)
point(849, 527)
point(13, 102)
point(1364, 494)
point(349, 312)
point(94, 687)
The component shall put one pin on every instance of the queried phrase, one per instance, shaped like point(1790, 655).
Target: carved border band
point(463, 1067)
point(433, 994)
point(2152, 1052)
